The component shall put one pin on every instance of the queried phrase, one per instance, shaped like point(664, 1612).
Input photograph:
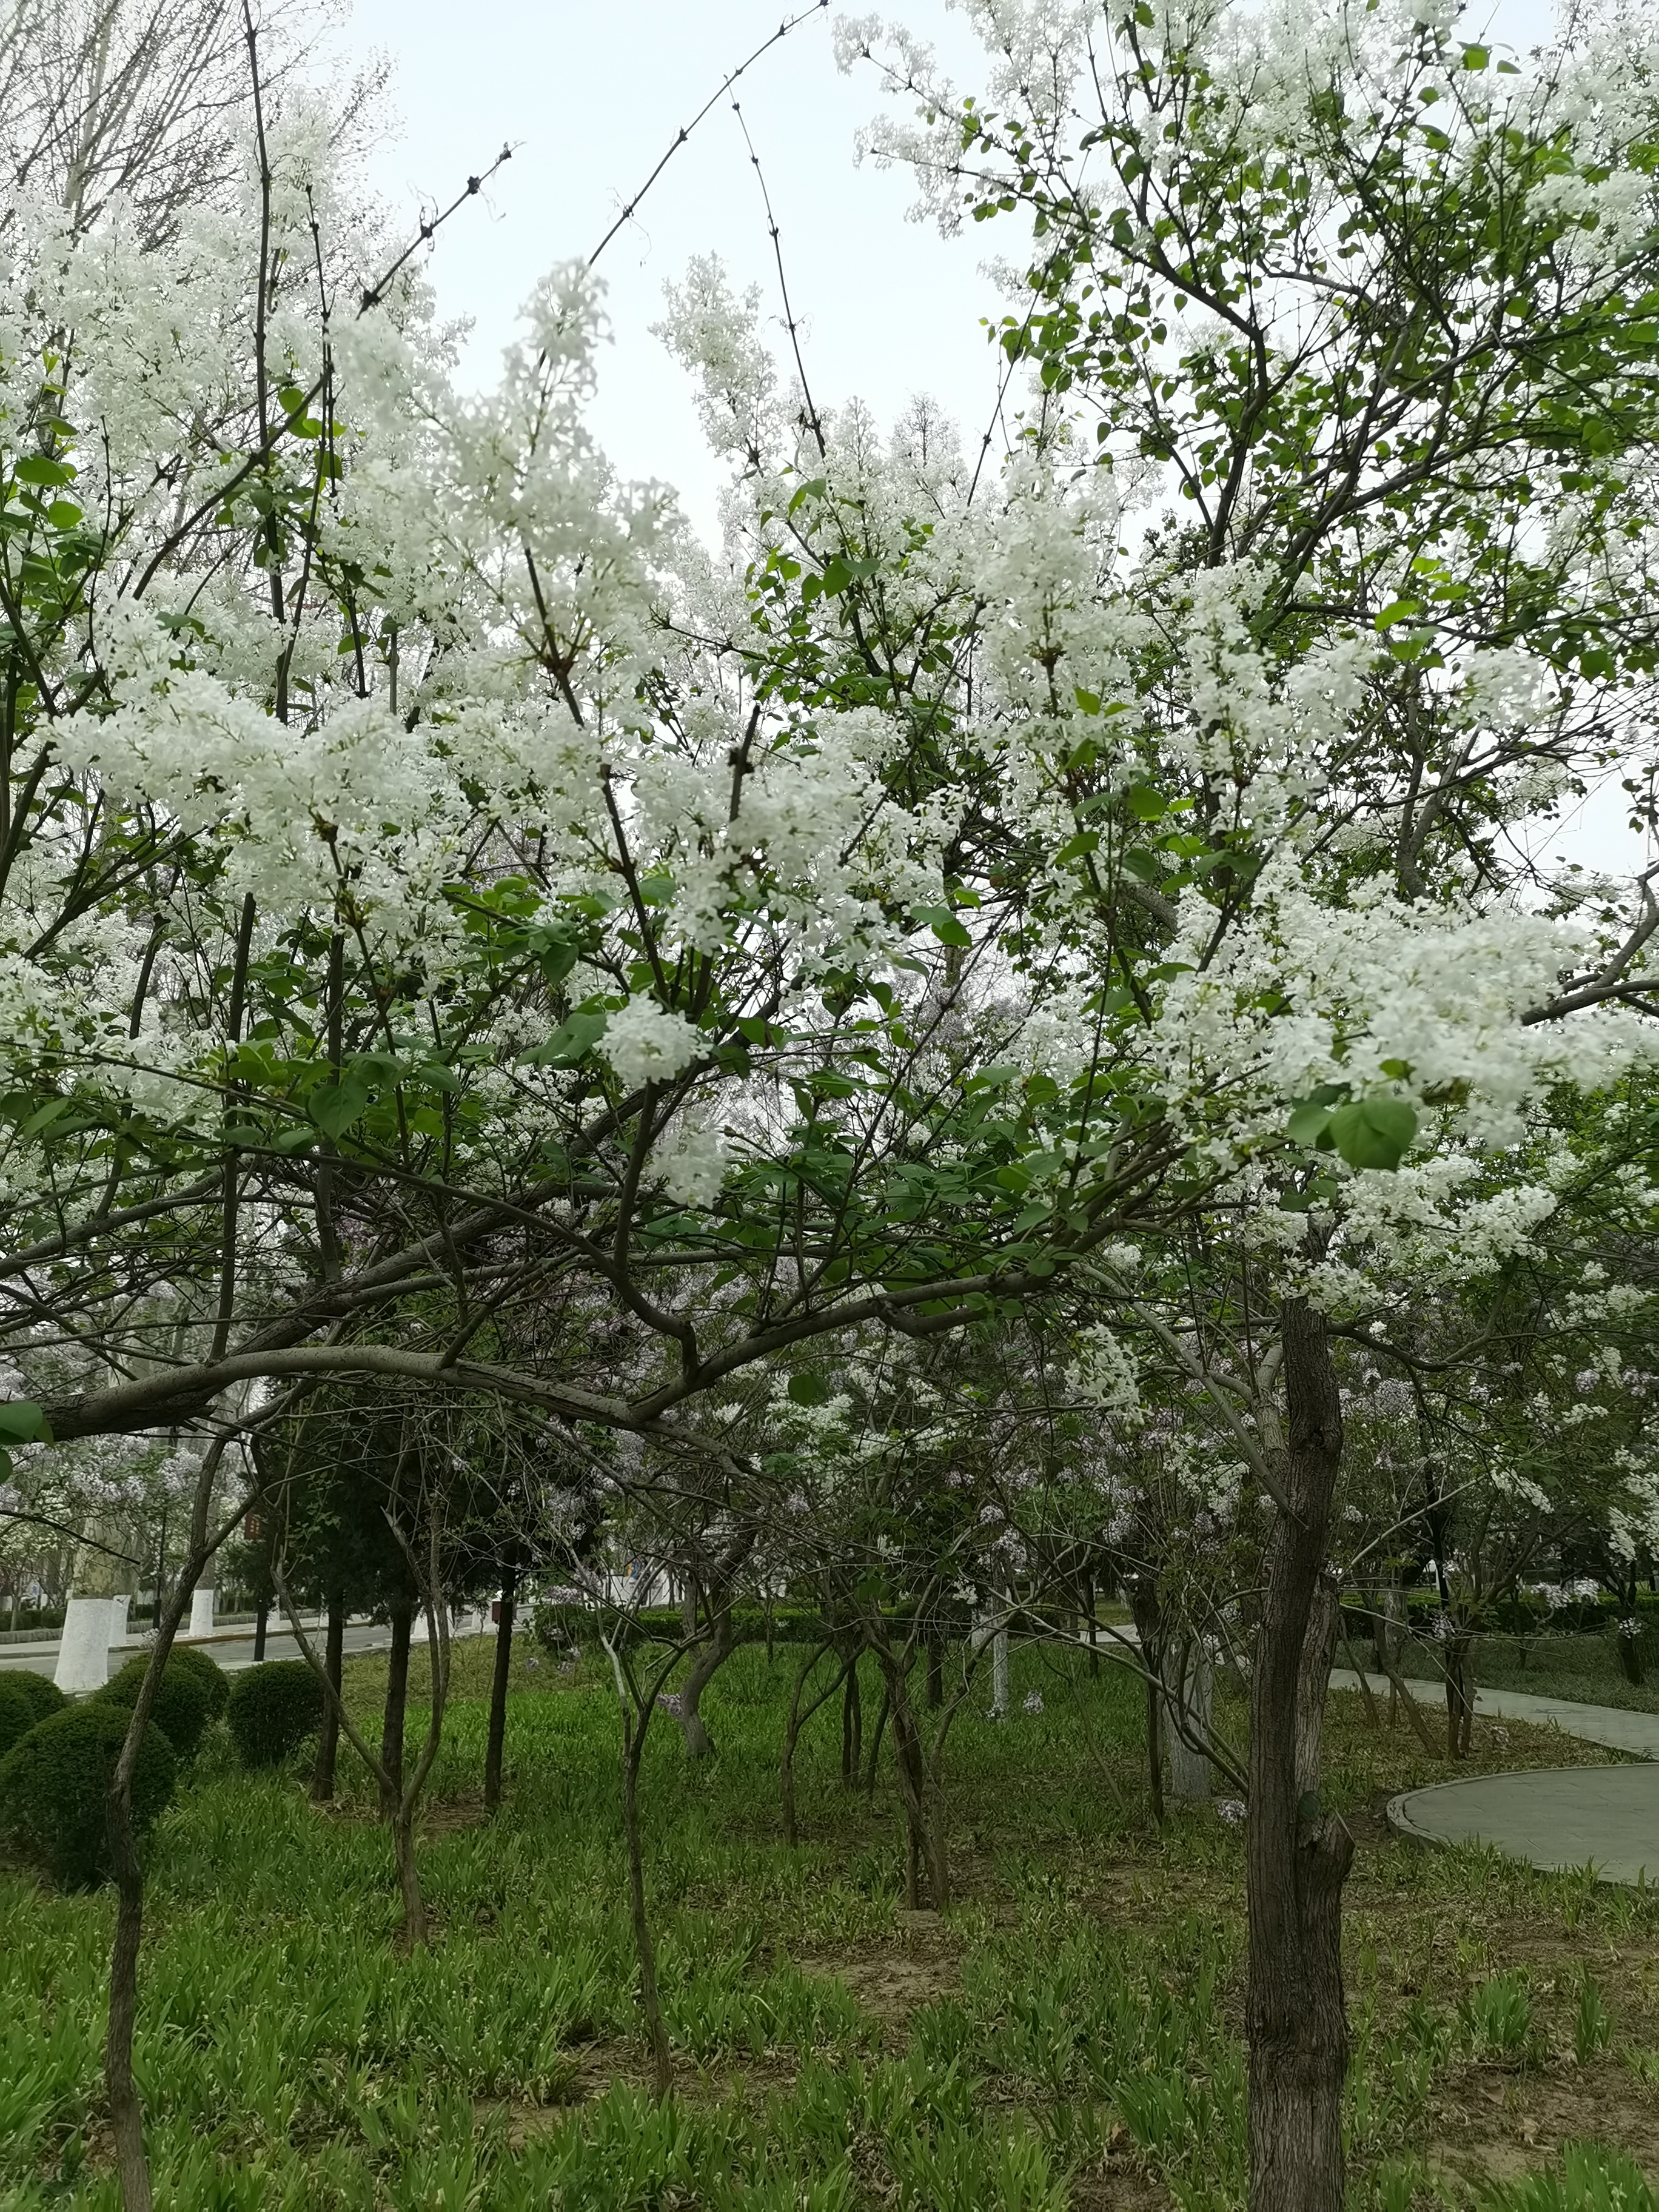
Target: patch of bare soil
point(1491, 2124)
point(894, 1976)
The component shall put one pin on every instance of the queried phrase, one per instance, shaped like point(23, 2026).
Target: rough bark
point(328, 1735)
point(397, 1696)
point(1312, 1685)
point(1296, 1858)
point(498, 1690)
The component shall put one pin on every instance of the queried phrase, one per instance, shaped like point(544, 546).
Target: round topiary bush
point(182, 1700)
point(25, 1700)
point(213, 1677)
point(272, 1709)
point(54, 1785)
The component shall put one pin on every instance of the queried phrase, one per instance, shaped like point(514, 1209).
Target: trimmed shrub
point(55, 1782)
point(25, 1700)
point(182, 1698)
point(213, 1677)
point(272, 1709)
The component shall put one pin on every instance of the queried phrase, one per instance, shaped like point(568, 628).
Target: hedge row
point(56, 1760)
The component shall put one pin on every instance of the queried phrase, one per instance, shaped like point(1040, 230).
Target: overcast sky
point(589, 97)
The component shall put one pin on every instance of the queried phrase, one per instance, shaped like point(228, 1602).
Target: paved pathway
point(1554, 1817)
point(1557, 1817)
point(1609, 1725)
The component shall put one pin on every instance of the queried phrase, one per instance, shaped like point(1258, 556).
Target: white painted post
point(83, 1649)
point(118, 1618)
point(201, 1610)
point(999, 1674)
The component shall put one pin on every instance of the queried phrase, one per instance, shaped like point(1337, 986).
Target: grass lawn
point(1068, 2035)
point(1583, 1667)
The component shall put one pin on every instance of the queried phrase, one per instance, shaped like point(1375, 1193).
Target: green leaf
point(1398, 610)
point(1476, 57)
point(570, 1043)
point(1308, 1123)
point(22, 1422)
point(335, 1106)
point(1374, 1133)
point(808, 1387)
point(36, 469)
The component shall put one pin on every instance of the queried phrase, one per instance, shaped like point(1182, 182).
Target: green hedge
point(25, 1700)
point(54, 1789)
point(272, 1709)
point(183, 1701)
point(213, 1677)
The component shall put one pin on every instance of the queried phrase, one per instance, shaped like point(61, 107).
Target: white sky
point(590, 97)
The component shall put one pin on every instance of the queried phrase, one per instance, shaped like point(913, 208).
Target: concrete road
point(233, 1647)
point(1556, 1818)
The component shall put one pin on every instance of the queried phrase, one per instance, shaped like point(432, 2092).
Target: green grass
point(1585, 1668)
point(1070, 2036)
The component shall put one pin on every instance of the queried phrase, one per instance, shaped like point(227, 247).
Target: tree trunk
point(851, 1727)
point(498, 1690)
point(710, 1658)
point(1312, 1685)
point(999, 1675)
point(397, 1696)
point(1189, 1696)
point(935, 1672)
point(1459, 1695)
point(328, 1737)
point(261, 1622)
point(409, 1880)
point(797, 1720)
point(662, 2079)
point(924, 1809)
point(1296, 1858)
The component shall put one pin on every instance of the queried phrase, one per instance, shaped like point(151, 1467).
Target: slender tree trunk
point(1296, 1858)
point(1094, 1629)
point(710, 1658)
point(125, 2109)
point(261, 1622)
point(924, 1809)
point(851, 1727)
point(409, 1880)
point(1459, 1697)
point(935, 1672)
point(797, 1720)
point(633, 1729)
point(328, 1737)
point(498, 1689)
point(397, 1696)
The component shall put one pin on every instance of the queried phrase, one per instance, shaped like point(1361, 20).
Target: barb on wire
point(790, 23)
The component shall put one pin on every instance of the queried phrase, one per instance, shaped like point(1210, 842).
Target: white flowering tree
point(431, 878)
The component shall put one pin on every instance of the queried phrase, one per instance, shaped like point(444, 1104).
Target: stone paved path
point(1554, 1817)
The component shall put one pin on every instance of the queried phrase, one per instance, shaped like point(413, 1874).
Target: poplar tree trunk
point(498, 1690)
point(328, 1737)
point(1297, 1858)
point(397, 1696)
